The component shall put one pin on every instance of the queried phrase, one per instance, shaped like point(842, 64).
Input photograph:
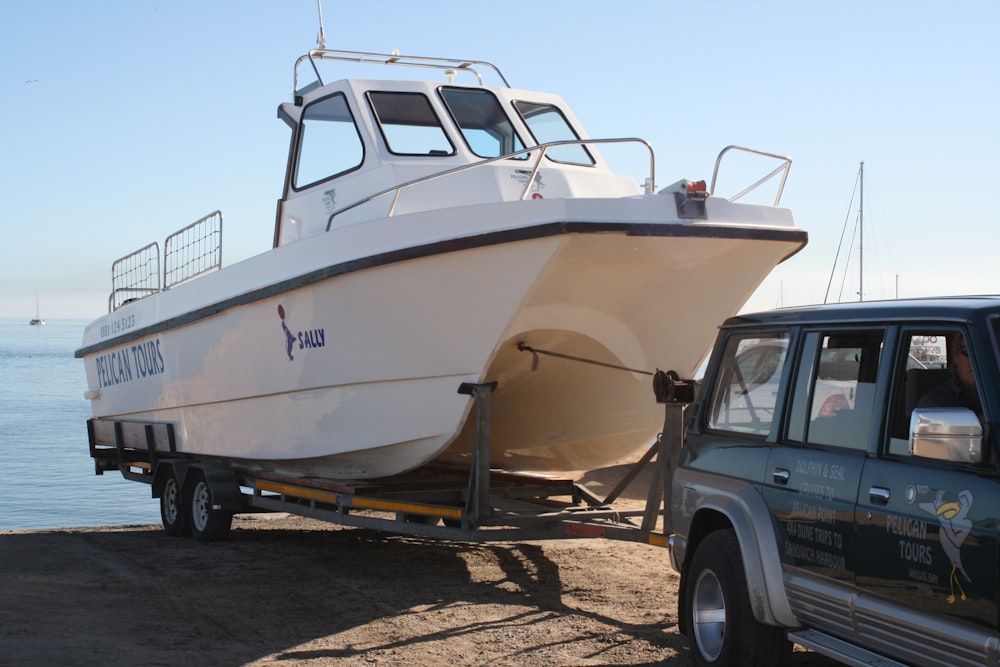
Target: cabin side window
point(547, 123)
point(329, 143)
point(486, 128)
point(409, 124)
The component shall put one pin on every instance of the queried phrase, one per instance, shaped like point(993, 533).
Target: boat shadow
point(317, 596)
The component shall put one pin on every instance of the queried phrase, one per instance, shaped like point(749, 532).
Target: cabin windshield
point(409, 124)
point(484, 125)
point(547, 123)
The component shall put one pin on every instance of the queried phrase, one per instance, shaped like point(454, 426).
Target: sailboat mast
point(861, 236)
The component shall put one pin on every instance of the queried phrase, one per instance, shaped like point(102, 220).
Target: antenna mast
point(321, 37)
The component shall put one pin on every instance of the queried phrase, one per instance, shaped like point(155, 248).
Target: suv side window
point(749, 377)
point(928, 377)
point(833, 401)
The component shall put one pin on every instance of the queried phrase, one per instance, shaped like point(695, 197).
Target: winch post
point(671, 442)
point(675, 394)
point(656, 492)
point(478, 502)
point(668, 450)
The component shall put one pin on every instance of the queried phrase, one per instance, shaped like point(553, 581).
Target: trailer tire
point(720, 623)
point(207, 524)
point(173, 514)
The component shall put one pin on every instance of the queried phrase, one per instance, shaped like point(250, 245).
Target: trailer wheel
point(207, 524)
point(720, 622)
point(173, 514)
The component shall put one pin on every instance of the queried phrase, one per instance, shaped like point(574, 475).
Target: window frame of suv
point(798, 417)
point(715, 371)
point(897, 396)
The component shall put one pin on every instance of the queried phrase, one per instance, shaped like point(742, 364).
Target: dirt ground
point(283, 590)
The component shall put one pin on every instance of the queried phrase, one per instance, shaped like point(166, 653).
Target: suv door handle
point(878, 495)
point(781, 475)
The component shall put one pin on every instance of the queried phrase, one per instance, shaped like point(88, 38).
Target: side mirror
point(946, 434)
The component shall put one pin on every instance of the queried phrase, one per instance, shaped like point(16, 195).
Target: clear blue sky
point(122, 121)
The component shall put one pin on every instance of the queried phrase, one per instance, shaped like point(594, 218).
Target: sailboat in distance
point(859, 231)
point(37, 319)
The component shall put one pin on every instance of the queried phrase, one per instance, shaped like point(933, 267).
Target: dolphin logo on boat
point(306, 339)
point(289, 337)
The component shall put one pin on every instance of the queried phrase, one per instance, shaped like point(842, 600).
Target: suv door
point(927, 527)
point(815, 470)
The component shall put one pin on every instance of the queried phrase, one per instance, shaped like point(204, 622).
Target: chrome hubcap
point(708, 615)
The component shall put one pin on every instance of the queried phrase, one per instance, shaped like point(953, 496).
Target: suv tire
point(717, 610)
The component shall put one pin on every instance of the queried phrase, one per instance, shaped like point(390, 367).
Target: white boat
point(37, 320)
point(429, 234)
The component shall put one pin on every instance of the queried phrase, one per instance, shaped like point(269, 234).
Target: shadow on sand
point(316, 596)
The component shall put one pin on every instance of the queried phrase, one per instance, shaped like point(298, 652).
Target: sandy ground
point(283, 590)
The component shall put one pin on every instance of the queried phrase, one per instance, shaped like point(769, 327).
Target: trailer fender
point(222, 481)
point(220, 477)
point(164, 468)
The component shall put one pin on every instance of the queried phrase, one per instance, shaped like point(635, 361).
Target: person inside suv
point(959, 390)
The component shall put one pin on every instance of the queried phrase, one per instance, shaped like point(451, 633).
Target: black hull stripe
point(454, 245)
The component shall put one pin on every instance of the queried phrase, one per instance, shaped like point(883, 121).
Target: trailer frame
point(473, 504)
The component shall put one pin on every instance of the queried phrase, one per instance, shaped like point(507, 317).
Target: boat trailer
point(472, 504)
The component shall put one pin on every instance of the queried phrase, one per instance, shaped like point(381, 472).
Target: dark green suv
point(839, 487)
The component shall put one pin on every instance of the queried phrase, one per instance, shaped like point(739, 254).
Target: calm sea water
point(47, 477)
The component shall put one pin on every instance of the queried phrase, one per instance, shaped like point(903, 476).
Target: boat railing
point(786, 163)
point(188, 253)
point(540, 150)
point(134, 276)
point(450, 66)
point(193, 250)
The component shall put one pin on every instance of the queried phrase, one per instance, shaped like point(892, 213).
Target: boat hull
point(350, 369)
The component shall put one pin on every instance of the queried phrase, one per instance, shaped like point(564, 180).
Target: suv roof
point(950, 307)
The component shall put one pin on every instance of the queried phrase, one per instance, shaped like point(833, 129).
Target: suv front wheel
point(717, 610)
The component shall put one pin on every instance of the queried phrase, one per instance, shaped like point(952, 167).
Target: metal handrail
point(362, 57)
point(199, 254)
point(191, 266)
point(138, 271)
point(395, 190)
point(785, 166)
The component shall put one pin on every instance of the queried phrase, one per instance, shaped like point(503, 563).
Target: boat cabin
point(368, 149)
